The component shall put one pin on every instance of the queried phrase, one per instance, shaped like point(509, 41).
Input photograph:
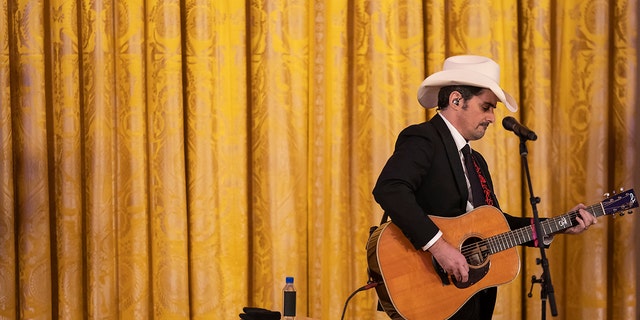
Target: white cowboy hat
point(467, 70)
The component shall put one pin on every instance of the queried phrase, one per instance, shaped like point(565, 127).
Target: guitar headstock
point(621, 202)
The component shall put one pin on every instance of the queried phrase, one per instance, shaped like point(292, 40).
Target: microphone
point(511, 124)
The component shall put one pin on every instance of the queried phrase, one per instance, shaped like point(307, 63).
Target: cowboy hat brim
point(428, 91)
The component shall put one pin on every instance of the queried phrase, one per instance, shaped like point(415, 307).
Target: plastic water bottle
point(289, 303)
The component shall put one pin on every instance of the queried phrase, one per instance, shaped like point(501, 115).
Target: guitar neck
point(549, 226)
point(566, 221)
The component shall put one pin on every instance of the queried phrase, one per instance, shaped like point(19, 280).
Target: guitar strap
point(385, 216)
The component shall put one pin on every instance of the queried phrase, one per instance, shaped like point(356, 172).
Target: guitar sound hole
point(475, 251)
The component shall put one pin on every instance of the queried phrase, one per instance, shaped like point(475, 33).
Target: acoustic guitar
point(412, 285)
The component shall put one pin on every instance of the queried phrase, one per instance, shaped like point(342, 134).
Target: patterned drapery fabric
point(173, 159)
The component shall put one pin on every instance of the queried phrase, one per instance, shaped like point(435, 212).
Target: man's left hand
point(584, 218)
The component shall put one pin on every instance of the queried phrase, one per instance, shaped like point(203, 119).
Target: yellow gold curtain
point(178, 159)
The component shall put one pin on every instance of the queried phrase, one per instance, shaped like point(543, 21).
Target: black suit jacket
point(424, 176)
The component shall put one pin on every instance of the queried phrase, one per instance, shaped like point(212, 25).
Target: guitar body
point(413, 289)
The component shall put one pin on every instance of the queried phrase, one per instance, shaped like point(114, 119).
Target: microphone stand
point(546, 288)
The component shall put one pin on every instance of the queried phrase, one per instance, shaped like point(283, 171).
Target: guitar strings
point(509, 240)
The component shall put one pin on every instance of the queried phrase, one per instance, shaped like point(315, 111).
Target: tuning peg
point(630, 211)
point(606, 195)
point(621, 213)
point(621, 189)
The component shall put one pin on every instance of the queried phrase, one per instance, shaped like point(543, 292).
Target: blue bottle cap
point(289, 280)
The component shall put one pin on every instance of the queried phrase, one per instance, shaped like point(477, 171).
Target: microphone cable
point(370, 284)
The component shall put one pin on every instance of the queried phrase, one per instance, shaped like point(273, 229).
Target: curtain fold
point(132, 183)
point(216, 120)
point(179, 159)
point(329, 155)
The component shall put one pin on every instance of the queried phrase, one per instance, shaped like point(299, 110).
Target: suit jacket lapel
point(453, 156)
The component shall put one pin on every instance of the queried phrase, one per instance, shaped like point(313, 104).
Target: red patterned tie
point(481, 194)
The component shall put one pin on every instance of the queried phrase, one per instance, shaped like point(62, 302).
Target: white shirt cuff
point(432, 241)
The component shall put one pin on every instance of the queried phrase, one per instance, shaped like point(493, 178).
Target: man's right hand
point(451, 260)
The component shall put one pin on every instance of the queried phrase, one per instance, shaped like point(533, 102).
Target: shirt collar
point(457, 137)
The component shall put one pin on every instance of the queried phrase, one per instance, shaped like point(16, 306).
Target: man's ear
point(454, 98)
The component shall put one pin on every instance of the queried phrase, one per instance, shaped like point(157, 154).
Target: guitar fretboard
point(549, 226)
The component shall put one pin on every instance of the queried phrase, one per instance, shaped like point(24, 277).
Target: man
point(426, 174)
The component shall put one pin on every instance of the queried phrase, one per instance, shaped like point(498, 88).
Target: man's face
point(476, 114)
